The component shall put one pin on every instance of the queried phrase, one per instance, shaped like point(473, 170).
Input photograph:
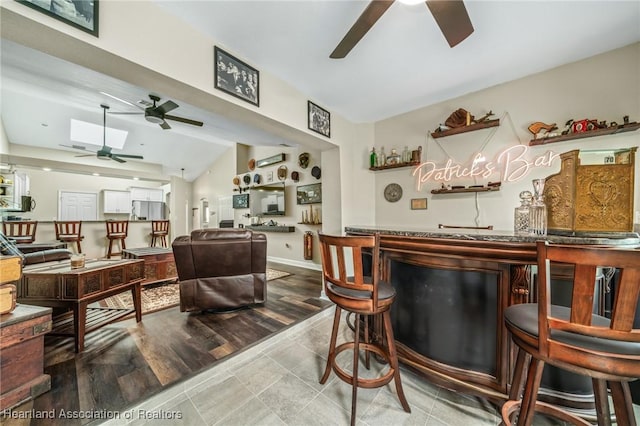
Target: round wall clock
point(392, 192)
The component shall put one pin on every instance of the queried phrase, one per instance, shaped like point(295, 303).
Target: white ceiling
point(403, 63)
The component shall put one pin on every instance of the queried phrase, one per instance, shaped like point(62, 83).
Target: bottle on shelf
point(373, 158)
point(382, 158)
point(393, 158)
point(522, 214)
point(538, 222)
point(406, 155)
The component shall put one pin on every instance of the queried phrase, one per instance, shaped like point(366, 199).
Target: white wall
point(604, 87)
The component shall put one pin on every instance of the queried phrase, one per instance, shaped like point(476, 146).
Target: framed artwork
point(275, 159)
point(319, 119)
point(269, 176)
point(309, 194)
point(236, 77)
point(82, 14)
point(418, 204)
point(241, 201)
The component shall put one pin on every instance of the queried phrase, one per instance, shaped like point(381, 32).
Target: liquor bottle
point(522, 214)
point(373, 158)
point(538, 223)
point(382, 159)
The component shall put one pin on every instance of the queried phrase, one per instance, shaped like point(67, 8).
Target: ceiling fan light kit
point(157, 114)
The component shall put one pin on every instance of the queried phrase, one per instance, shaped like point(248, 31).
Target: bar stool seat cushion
point(385, 291)
point(525, 318)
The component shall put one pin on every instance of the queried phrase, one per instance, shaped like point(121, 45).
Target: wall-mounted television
point(267, 200)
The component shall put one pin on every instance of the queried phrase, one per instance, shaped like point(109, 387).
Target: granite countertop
point(622, 239)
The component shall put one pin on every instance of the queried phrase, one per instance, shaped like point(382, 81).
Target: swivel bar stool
point(363, 296)
point(69, 232)
point(159, 230)
point(117, 230)
point(21, 231)
point(575, 339)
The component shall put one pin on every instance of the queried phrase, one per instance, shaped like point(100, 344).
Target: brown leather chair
point(117, 230)
point(69, 232)
point(159, 230)
point(575, 339)
point(364, 296)
point(20, 231)
point(221, 269)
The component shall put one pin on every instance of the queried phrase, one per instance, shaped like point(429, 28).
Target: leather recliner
point(221, 269)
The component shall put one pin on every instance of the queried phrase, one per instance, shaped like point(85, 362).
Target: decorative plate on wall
point(392, 192)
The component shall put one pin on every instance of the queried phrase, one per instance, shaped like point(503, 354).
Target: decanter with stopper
point(538, 224)
point(522, 214)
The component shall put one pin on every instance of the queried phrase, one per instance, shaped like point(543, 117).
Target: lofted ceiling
point(401, 64)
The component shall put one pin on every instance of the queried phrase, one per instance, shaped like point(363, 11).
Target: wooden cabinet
point(22, 354)
point(116, 201)
point(147, 194)
point(12, 187)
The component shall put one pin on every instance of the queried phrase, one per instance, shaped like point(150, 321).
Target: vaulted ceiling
point(401, 64)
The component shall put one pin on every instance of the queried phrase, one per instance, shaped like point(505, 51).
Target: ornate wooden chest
point(592, 197)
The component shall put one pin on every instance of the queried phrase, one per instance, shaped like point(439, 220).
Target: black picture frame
point(243, 81)
point(241, 201)
point(318, 119)
point(309, 194)
point(85, 18)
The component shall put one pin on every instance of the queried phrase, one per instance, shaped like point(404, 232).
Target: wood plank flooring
point(127, 362)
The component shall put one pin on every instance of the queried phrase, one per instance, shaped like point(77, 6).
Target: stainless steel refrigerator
point(148, 210)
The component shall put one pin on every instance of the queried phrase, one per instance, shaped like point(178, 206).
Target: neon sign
point(512, 164)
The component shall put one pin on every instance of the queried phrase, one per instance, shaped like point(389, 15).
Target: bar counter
point(452, 287)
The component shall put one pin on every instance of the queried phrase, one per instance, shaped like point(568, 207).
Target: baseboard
point(298, 263)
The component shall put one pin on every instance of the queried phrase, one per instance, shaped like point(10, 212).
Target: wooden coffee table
point(56, 285)
point(159, 264)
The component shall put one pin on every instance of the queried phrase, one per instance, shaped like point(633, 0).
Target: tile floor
point(276, 383)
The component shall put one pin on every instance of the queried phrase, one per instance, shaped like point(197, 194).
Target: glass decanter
point(538, 223)
point(522, 214)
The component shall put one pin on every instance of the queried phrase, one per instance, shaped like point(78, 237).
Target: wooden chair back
point(160, 227)
point(117, 228)
point(23, 231)
point(68, 230)
point(347, 289)
point(585, 261)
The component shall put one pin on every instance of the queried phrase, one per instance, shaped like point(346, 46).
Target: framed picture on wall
point(319, 119)
point(236, 77)
point(309, 194)
point(82, 14)
point(241, 201)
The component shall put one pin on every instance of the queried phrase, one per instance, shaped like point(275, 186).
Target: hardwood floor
point(127, 362)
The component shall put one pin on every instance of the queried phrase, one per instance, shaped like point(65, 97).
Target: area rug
point(155, 298)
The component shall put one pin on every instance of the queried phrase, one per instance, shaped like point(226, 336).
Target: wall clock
point(392, 192)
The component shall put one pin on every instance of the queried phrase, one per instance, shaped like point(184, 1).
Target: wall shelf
point(461, 190)
point(394, 166)
point(464, 129)
point(588, 134)
point(271, 228)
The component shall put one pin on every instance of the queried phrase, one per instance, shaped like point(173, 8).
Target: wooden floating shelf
point(309, 223)
point(588, 134)
point(464, 129)
point(271, 228)
point(395, 166)
point(461, 190)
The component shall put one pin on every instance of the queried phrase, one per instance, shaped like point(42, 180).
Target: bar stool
point(21, 231)
point(159, 229)
point(69, 232)
point(575, 339)
point(117, 231)
point(363, 296)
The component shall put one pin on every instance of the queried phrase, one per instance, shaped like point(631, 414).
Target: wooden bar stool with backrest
point(159, 229)
point(117, 231)
point(21, 231)
point(69, 232)
point(363, 296)
point(575, 339)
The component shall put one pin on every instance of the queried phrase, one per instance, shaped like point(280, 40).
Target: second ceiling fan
point(157, 114)
point(450, 15)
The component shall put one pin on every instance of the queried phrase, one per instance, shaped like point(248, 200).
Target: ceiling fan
point(105, 152)
point(157, 114)
point(450, 15)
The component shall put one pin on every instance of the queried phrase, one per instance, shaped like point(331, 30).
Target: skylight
point(91, 134)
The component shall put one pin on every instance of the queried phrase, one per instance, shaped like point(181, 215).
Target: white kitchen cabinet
point(13, 186)
point(147, 194)
point(116, 201)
